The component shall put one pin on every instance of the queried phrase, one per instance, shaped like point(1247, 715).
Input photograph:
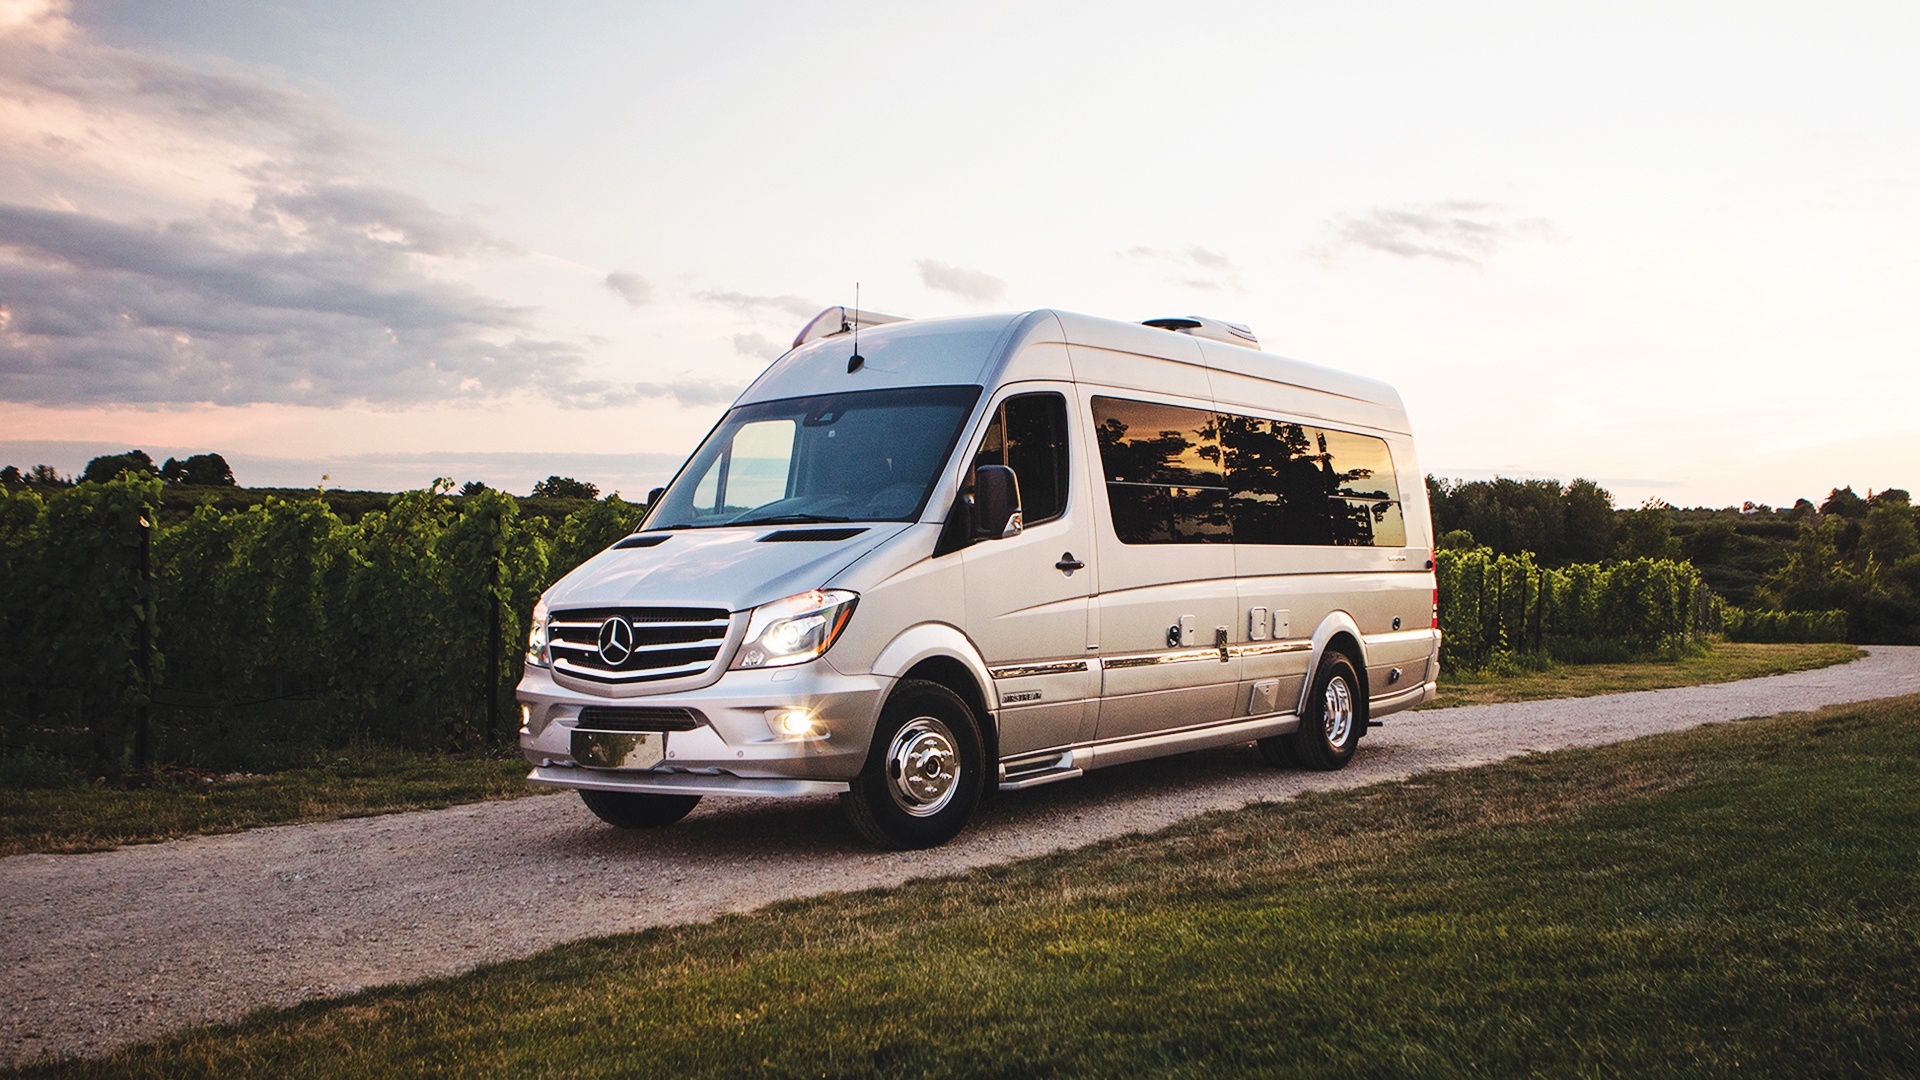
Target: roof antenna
point(855, 361)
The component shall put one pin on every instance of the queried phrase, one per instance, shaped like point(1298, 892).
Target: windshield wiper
point(789, 519)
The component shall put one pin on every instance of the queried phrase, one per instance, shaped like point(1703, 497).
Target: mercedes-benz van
point(921, 559)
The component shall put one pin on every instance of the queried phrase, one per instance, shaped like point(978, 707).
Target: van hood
point(732, 568)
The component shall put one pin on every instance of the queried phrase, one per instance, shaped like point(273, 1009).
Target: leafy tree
point(1647, 533)
point(1710, 543)
point(564, 487)
point(107, 466)
point(209, 470)
point(473, 487)
point(1889, 534)
point(1844, 502)
point(1589, 521)
point(11, 477)
point(1558, 525)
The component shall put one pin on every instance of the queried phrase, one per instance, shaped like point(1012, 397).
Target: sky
point(1674, 248)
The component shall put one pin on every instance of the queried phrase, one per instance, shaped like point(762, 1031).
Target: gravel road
point(99, 951)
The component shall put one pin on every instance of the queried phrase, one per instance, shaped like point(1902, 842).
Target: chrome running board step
point(1032, 772)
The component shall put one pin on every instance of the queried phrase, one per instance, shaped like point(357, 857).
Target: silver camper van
point(922, 559)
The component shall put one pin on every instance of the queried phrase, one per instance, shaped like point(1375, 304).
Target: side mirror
point(996, 503)
point(654, 496)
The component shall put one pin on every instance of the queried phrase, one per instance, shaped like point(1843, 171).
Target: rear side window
point(1293, 483)
point(1179, 475)
point(1028, 434)
point(1165, 482)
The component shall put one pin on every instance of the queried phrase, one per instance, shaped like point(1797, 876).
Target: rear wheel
point(636, 809)
point(925, 772)
point(1335, 716)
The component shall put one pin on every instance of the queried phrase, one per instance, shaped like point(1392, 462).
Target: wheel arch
point(1336, 633)
point(939, 653)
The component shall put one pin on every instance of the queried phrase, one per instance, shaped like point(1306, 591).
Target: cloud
point(97, 311)
point(1457, 231)
point(1194, 266)
point(798, 307)
point(632, 288)
point(175, 236)
point(759, 346)
point(691, 391)
point(972, 285)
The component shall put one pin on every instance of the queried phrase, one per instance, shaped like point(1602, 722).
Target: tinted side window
point(1165, 481)
point(1028, 434)
point(1366, 502)
point(1291, 483)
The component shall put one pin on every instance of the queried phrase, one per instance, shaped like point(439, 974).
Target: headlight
point(537, 636)
point(795, 630)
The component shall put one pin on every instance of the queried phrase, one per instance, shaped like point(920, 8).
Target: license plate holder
point(619, 749)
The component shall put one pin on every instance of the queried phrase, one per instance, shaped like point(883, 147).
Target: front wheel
point(925, 772)
point(1335, 716)
point(637, 809)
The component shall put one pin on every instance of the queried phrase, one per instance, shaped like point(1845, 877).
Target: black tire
point(1335, 715)
point(925, 772)
point(638, 810)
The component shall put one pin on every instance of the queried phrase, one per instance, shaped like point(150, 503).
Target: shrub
point(1786, 626)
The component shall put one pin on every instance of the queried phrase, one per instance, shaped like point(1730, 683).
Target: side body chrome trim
point(1177, 656)
point(1153, 659)
point(1021, 671)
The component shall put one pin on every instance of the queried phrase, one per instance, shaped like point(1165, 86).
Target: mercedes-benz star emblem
point(616, 641)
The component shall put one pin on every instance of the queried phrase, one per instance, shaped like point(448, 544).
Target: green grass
point(1722, 661)
point(1737, 899)
point(43, 808)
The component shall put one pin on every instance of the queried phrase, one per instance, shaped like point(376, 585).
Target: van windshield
point(869, 455)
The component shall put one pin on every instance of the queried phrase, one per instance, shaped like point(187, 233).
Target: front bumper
point(733, 749)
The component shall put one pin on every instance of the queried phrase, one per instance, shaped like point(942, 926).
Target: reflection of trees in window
point(1216, 477)
point(1167, 487)
point(1278, 485)
point(1029, 435)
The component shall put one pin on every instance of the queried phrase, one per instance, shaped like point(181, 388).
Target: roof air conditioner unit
point(1211, 329)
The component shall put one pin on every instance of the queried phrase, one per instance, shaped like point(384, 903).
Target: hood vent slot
point(801, 536)
point(640, 540)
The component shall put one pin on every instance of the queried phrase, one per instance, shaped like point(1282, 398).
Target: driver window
point(1028, 434)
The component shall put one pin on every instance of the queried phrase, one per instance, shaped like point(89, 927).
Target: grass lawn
point(1723, 661)
point(1738, 899)
point(68, 814)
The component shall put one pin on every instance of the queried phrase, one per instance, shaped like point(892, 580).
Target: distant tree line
point(1851, 554)
point(212, 470)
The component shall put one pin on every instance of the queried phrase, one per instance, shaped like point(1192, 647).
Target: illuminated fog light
point(526, 719)
point(793, 723)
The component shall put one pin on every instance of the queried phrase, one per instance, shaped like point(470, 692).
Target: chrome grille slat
point(603, 675)
point(718, 624)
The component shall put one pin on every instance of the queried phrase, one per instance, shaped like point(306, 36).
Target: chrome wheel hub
point(1336, 708)
point(922, 767)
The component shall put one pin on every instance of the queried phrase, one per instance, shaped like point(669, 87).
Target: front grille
point(638, 718)
point(650, 644)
